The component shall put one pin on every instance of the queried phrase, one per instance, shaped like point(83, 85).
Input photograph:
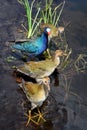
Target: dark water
point(69, 115)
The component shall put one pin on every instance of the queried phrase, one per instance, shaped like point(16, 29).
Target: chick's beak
point(65, 54)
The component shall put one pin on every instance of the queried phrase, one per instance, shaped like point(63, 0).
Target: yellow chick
point(36, 93)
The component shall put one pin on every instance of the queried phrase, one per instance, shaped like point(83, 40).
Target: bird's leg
point(30, 118)
point(48, 52)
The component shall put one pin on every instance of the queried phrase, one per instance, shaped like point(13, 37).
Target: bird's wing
point(31, 47)
point(19, 41)
point(28, 46)
point(36, 69)
point(31, 88)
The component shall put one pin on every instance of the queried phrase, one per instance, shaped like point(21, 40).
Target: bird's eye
point(45, 82)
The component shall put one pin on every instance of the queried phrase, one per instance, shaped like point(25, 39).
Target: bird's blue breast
point(42, 44)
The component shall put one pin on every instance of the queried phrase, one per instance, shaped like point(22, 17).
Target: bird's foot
point(40, 116)
point(36, 118)
point(31, 118)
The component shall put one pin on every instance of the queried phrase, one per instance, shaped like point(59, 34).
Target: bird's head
point(60, 29)
point(46, 81)
point(47, 30)
point(59, 53)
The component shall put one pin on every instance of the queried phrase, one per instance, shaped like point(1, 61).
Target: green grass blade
point(60, 13)
point(33, 26)
point(36, 26)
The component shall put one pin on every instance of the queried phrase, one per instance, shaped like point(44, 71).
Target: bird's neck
point(46, 89)
point(45, 37)
point(56, 60)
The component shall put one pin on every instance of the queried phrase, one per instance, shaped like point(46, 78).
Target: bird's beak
point(65, 54)
point(49, 33)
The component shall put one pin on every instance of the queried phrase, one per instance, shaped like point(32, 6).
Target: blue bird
point(35, 47)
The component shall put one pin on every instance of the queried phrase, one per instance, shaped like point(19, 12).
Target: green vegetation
point(81, 63)
point(50, 15)
point(32, 24)
point(46, 15)
point(66, 60)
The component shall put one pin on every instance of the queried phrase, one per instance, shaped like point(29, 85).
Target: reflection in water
point(56, 78)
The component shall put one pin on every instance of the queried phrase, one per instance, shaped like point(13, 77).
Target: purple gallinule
point(34, 47)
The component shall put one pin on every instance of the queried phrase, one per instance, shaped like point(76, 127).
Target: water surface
point(69, 115)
